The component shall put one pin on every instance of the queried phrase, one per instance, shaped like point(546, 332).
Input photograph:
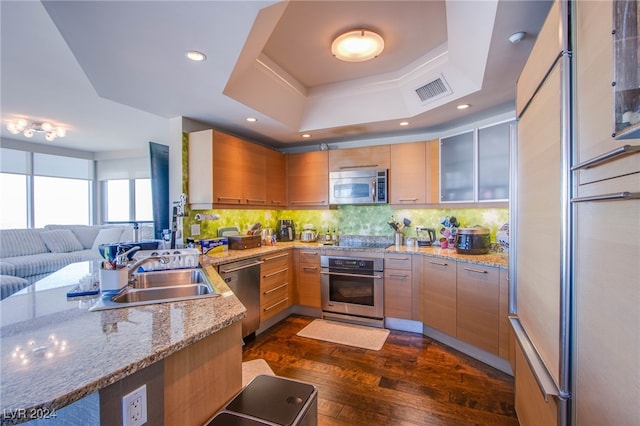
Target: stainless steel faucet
point(133, 268)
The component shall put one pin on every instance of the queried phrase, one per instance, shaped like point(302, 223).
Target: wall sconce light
point(28, 129)
point(357, 46)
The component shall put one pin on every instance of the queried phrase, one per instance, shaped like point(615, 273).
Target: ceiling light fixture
point(28, 129)
point(196, 56)
point(463, 106)
point(357, 46)
point(517, 37)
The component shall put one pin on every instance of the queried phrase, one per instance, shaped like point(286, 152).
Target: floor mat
point(359, 336)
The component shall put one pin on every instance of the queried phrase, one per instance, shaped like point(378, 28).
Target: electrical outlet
point(134, 407)
point(195, 229)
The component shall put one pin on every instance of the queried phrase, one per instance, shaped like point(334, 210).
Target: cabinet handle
point(340, 274)
point(358, 167)
point(275, 273)
point(606, 157)
point(268, 308)
point(276, 289)
point(230, 198)
point(608, 197)
point(278, 202)
point(438, 263)
point(399, 275)
point(310, 268)
point(256, 200)
point(311, 253)
point(267, 259)
point(308, 202)
point(408, 199)
point(398, 258)
point(477, 271)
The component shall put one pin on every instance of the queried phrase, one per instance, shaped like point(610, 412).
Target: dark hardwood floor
point(413, 380)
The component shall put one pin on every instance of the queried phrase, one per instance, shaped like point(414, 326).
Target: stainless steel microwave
point(358, 187)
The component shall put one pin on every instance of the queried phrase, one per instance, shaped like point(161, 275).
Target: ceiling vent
point(433, 90)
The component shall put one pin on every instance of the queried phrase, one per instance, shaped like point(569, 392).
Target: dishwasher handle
point(249, 265)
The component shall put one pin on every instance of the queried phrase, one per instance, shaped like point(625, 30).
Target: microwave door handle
point(374, 188)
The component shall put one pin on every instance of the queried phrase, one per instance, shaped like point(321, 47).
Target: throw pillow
point(61, 241)
point(107, 236)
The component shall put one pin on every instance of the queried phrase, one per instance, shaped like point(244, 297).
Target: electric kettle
point(426, 236)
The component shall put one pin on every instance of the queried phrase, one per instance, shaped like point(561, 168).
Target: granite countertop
point(500, 260)
point(78, 352)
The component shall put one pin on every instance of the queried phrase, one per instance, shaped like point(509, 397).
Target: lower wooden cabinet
point(307, 282)
point(478, 306)
point(275, 284)
point(506, 349)
point(398, 289)
point(439, 294)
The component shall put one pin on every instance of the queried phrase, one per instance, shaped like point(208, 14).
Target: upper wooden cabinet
point(413, 174)
point(369, 157)
point(226, 170)
point(308, 179)
point(276, 179)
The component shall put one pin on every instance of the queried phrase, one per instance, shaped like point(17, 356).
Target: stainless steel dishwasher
point(243, 278)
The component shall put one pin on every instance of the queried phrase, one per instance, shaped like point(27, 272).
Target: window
point(128, 200)
point(61, 201)
point(13, 193)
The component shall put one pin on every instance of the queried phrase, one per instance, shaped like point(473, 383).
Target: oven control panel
point(350, 263)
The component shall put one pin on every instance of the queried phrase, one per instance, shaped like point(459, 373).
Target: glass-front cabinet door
point(493, 162)
point(626, 51)
point(457, 168)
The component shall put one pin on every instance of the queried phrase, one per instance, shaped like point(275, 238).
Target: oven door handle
point(351, 275)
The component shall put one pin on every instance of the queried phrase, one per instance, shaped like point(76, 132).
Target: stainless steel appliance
point(243, 278)
point(285, 231)
point(358, 187)
point(353, 288)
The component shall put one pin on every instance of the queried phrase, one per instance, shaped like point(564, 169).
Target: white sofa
point(27, 255)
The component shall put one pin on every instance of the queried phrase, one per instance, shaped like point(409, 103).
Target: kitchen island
point(55, 352)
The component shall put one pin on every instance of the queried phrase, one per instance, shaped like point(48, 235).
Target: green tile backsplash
point(349, 220)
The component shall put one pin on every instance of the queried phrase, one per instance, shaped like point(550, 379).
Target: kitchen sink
point(159, 287)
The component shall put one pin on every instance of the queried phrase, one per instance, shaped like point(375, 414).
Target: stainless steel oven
point(353, 289)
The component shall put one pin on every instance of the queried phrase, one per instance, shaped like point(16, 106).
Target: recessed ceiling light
point(517, 37)
point(196, 56)
point(252, 119)
point(463, 106)
point(306, 135)
point(357, 46)
point(404, 123)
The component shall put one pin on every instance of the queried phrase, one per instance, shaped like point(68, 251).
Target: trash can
point(272, 400)
point(224, 418)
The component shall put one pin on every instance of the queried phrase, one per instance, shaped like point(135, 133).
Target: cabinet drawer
point(309, 257)
point(273, 295)
point(397, 261)
point(275, 301)
point(274, 261)
point(274, 279)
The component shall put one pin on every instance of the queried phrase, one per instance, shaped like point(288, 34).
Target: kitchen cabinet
point(493, 161)
point(626, 53)
point(275, 284)
point(398, 286)
point(226, 170)
point(307, 283)
point(413, 176)
point(308, 179)
point(439, 294)
point(474, 166)
point(478, 306)
point(276, 179)
point(368, 157)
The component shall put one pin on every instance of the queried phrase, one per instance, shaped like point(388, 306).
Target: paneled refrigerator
point(575, 295)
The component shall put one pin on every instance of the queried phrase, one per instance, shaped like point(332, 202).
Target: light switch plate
point(195, 229)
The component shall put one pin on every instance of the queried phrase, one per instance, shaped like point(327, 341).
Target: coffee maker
point(285, 230)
